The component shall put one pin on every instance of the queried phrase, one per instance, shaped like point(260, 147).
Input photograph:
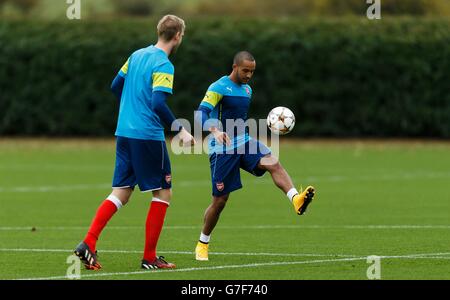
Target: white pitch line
point(90, 167)
point(432, 257)
point(429, 254)
point(197, 183)
point(391, 227)
point(55, 188)
point(230, 267)
point(202, 268)
point(185, 252)
point(33, 167)
point(249, 227)
point(223, 253)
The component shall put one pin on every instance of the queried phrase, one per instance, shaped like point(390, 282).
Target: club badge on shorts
point(168, 178)
point(220, 186)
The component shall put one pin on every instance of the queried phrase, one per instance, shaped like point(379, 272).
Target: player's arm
point(119, 81)
point(202, 116)
point(162, 87)
point(160, 107)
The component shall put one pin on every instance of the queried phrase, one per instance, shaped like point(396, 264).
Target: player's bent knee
point(269, 163)
point(123, 195)
point(119, 203)
point(220, 201)
point(274, 167)
point(164, 194)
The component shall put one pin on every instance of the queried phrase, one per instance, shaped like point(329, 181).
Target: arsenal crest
point(168, 178)
point(220, 186)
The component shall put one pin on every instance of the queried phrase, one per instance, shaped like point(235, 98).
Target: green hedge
point(351, 77)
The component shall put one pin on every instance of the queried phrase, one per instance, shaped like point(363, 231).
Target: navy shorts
point(142, 162)
point(225, 167)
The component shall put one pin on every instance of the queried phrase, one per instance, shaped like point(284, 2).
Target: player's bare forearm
point(220, 136)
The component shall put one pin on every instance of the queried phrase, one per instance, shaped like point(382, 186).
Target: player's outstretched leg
point(211, 218)
point(281, 178)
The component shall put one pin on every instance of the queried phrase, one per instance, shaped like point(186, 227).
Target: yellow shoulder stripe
point(162, 79)
point(125, 67)
point(212, 98)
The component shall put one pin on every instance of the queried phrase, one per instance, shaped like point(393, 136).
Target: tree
point(134, 7)
point(318, 7)
point(25, 6)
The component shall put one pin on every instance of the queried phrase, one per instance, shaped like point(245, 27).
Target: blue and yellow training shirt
point(224, 100)
point(147, 70)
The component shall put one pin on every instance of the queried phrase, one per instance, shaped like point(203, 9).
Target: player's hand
point(186, 138)
point(221, 137)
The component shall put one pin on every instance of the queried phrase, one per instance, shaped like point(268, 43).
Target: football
point(281, 120)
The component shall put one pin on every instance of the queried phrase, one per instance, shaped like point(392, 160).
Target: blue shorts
point(225, 167)
point(142, 162)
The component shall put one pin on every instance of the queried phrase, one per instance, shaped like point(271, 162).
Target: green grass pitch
point(390, 199)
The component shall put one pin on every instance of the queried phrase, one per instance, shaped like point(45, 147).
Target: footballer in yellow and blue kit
point(227, 100)
point(142, 86)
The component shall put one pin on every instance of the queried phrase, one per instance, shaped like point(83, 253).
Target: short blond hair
point(169, 26)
